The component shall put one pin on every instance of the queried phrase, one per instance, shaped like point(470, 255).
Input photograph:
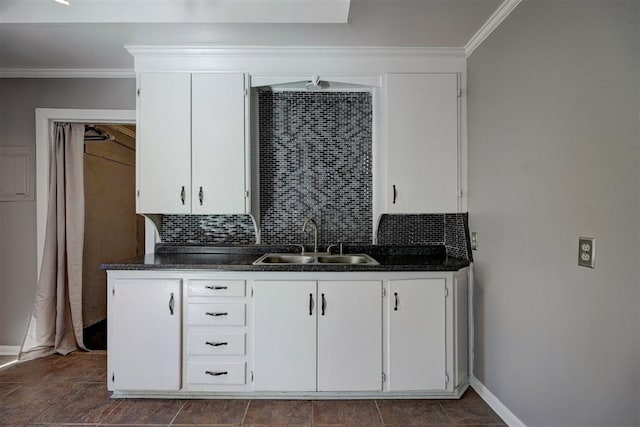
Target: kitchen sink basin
point(285, 259)
point(317, 259)
point(347, 259)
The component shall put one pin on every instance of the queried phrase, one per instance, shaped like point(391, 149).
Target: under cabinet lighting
point(65, 2)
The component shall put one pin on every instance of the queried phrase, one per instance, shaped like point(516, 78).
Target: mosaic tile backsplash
point(208, 229)
point(315, 162)
point(450, 230)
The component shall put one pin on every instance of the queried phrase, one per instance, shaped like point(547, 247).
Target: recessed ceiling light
point(65, 2)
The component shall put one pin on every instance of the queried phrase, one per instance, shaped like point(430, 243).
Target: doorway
point(112, 229)
point(123, 122)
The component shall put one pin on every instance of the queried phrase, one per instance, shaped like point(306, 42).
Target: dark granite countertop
point(241, 257)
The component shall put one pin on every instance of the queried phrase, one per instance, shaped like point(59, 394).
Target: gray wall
point(18, 100)
point(553, 99)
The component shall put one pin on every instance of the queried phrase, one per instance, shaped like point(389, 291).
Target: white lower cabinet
point(284, 335)
point(350, 336)
point(215, 334)
point(144, 333)
point(336, 323)
point(417, 342)
point(305, 334)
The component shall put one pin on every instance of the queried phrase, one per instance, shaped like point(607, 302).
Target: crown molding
point(73, 73)
point(489, 27)
point(297, 59)
point(201, 50)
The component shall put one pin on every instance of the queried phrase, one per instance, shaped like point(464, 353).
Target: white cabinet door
point(422, 138)
point(350, 336)
point(218, 144)
point(144, 334)
point(163, 143)
point(284, 336)
point(417, 335)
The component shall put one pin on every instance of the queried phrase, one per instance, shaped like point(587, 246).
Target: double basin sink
point(315, 258)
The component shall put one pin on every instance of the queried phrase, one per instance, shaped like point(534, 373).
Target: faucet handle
point(339, 244)
point(301, 249)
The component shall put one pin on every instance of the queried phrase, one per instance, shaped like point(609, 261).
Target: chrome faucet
point(315, 232)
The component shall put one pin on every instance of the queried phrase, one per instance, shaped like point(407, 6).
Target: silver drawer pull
point(216, 314)
point(215, 344)
point(216, 288)
point(216, 373)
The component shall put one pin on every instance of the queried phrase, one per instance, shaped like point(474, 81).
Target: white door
point(218, 143)
point(422, 138)
point(350, 336)
point(164, 143)
point(284, 336)
point(144, 319)
point(417, 335)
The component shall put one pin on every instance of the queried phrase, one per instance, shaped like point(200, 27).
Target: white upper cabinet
point(218, 143)
point(192, 145)
point(163, 143)
point(422, 143)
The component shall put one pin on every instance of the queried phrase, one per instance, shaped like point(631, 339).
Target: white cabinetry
point(284, 335)
point(417, 347)
point(347, 316)
point(350, 336)
point(215, 331)
point(144, 334)
point(192, 145)
point(270, 334)
point(422, 143)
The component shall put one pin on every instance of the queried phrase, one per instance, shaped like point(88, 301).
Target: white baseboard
point(9, 350)
point(495, 404)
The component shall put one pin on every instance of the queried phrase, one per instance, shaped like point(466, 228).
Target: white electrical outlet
point(474, 240)
point(586, 251)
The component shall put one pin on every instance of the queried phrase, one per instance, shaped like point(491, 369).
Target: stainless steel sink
point(347, 259)
point(314, 258)
point(285, 259)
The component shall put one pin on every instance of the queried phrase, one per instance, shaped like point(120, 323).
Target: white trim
point(72, 73)
point(489, 27)
point(44, 119)
point(292, 60)
point(505, 413)
point(9, 350)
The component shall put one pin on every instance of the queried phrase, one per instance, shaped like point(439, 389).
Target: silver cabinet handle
point(216, 373)
point(201, 196)
point(182, 195)
point(172, 303)
point(216, 288)
point(215, 344)
point(216, 314)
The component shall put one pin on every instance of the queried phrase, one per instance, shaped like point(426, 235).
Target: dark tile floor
point(71, 390)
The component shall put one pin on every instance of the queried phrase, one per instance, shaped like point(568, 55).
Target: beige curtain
point(56, 321)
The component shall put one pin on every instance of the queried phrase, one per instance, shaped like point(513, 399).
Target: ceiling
point(41, 36)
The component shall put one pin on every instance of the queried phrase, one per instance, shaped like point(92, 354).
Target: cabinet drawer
point(216, 288)
point(216, 373)
point(213, 344)
point(216, 314)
